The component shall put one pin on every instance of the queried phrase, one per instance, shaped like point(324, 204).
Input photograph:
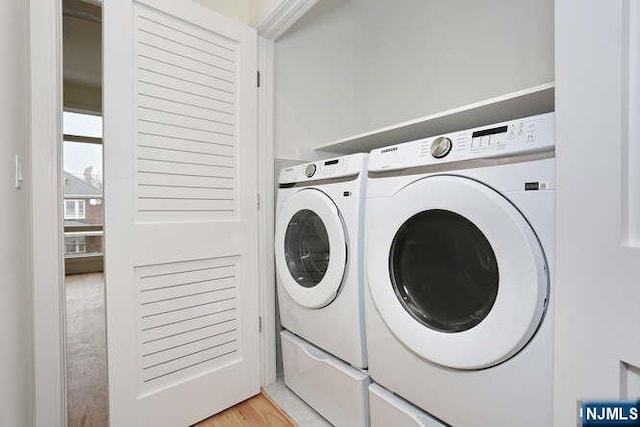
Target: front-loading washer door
point(456, 272)
point(310, 248)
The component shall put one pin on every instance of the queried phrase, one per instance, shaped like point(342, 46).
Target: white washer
point(460, 239)
point(318, 251)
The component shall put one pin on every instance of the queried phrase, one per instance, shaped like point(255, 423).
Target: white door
point(310, 248)
point(598, 229)
point(181, 214)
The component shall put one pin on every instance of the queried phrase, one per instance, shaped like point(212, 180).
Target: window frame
point(79, 210)
point(76, 244)
point(79, 262)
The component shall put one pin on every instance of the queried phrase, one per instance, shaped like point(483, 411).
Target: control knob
point(440, 147)
point(310, 170)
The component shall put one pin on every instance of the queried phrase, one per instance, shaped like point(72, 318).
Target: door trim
point(45, 22)
point(266, 211)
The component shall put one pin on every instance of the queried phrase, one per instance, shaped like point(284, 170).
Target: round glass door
point(455, 271)
point(306, 248)
point(444, 271)
point(310, 248)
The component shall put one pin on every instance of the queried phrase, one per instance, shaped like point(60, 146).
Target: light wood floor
point(259, 411)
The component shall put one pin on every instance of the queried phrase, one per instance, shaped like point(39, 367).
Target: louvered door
point(181, 217)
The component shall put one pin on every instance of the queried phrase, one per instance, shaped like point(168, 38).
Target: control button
point(530, 126)
point(530, 137)
point(497, 140)
point(484, 141)
point(440, 147)
point(310, 170)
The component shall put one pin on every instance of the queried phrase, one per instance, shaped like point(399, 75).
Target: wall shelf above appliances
point(527, 102)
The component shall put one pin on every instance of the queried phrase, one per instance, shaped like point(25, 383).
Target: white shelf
point(527, 102)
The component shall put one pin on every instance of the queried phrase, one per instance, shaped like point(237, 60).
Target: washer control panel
point(527, 135)
point(339, 167)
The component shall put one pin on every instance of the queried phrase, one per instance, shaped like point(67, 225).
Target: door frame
point(46, 238)
point(45, 23)
point(283, 15)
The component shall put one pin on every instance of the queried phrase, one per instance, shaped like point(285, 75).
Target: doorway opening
point(83, 215)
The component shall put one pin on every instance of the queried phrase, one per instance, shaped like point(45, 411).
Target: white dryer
point(318, 251)
point(460, 242)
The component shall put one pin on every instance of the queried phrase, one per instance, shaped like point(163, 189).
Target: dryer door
point(456, 272)
point(310, 248)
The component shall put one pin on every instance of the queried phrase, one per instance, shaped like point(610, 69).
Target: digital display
point(331, 162)
point(529, 186)
point(492, 131)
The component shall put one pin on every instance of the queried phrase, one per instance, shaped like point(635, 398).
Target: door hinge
point(258, 200)
point(259, 323)
point(258, 78)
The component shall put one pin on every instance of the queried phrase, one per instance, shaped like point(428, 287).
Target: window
point(82, 185)
point(82, 125)
point(74, 209)
point(75, 245)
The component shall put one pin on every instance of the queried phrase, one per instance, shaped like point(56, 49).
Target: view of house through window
point(82, 189)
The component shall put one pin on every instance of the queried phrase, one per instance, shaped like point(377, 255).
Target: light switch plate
point(18, 172)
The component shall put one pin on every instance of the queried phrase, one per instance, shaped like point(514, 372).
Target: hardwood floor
point(259, 411)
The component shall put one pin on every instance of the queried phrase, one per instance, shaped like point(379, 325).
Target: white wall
point(354, 65)
point(16, 353)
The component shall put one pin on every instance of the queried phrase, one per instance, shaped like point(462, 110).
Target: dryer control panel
point(340, 167)
point(516, 137)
